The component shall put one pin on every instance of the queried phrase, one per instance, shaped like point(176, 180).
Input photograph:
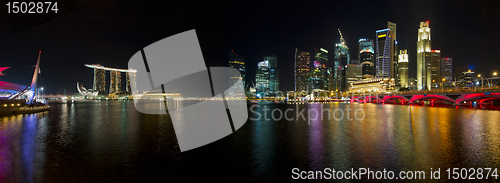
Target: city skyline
point(103, 36)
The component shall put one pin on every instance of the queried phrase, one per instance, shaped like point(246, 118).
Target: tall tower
point(302, 62)
point(383, 52)
point(115, 82)
point(424, 57)
point(436, 68)
point(99, 80)
point(341, 59)
point(447, 71)
point(394, 51)
point(403, 68)
point(237, 62)
point(274, 75)
point(320, 71)
point(366, 57)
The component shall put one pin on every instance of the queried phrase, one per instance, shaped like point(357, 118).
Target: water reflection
point(109, 141)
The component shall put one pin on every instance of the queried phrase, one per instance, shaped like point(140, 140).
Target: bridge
point(482, 98)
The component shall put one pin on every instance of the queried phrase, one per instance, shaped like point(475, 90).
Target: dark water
point(109, 141)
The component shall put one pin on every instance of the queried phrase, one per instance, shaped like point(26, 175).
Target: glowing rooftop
point(97, 66)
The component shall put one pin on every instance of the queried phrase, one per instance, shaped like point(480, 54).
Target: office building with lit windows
point(237, 62)
point(353, 74)
point(447, 71)
point(267, 77)
point(319, 75)
point(436, 79)
point(383, 53)
point(424, 79)
point(366, 57)
point(115, 79)
point(99, 81)
point(340, 60)
point(403, 68)
point(302, 64)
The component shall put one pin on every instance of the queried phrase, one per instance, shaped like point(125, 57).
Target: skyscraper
point(320, 71)
point(436, 78)
point(447, 71)
point(386, 52)
point(302, 62)
point(274, 77)
point(383, 54)
point(238, 62)
point(366, 57)
point(341, 58)
point(403, 68)
point(116, 82)
point(262, 79)
point(99, 80)
point(394, 52)
point(424, 57)
point(131, 81)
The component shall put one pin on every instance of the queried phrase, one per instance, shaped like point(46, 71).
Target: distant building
point(436, 79)
point(115, 82)
point(302, 64)
point(403, 68)
point(447, 71)
point(366, 57)
point(341, 58)
point(319, 75)
point(353, 74)
point(99, 81)
point(267, 77)
point(467, 79)
point(383, 54)
point(237, 62)
point(424, 57)
point(374, 85)
point(274, 75)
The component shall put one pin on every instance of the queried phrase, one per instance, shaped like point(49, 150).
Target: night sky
point(110, 32)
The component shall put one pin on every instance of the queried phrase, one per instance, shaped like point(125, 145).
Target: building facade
point(366, 57)
point(302, 64)
point(341, 59)
point(403, 68)
point(447, 71)
point(436, 79)
point(353, 74)
point(99, 81)
point(319, 75)
point(424, 57)
point(237, 62)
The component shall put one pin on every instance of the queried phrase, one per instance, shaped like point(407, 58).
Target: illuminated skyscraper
point(424, 57)
point(436, 78)
point(99, 80)
point(302, 62)
point(131, 81)
point(341, 58)
point(366, 57)
point(394, 52)
point(447, 71)
point(403, 68)
point(115, 82)
point(320, 71)
point(238, 62)
point(267, 77)
point(274, 75)
point(383, 54)
point(386, 52)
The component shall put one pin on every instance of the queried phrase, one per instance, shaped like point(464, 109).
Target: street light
point(442, 84)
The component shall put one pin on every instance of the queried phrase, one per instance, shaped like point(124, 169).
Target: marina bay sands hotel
point(115, 86)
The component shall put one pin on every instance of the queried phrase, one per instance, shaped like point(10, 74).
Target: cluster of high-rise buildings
point(380, 66)
point(115, 86)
